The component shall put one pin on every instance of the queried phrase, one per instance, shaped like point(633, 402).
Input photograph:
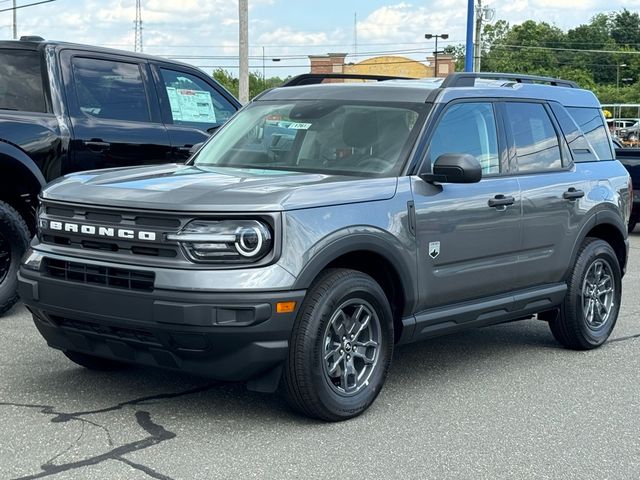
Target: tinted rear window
point(21, 81)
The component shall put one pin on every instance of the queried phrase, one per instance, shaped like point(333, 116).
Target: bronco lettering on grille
point(110, 232)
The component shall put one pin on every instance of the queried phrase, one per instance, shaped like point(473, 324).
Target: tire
point(313, 377)
point(573, 326)
point(92, 362)
point(632, 225)
point(14, 240)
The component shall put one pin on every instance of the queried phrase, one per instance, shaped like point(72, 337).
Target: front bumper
point(224, 336)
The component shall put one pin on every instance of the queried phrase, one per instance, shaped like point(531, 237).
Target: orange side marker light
point(285, 307)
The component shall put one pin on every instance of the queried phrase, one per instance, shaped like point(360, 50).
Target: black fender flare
point(361, 242)
point(15, 157)
point(601, 217)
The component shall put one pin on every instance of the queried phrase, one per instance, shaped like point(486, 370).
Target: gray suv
point(324, 225)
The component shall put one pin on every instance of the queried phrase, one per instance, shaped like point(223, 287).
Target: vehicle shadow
point(82, 392)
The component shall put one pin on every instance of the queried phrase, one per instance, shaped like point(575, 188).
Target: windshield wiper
point(7, 108)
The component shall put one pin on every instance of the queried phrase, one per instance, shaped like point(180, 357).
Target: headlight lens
point(225, 241)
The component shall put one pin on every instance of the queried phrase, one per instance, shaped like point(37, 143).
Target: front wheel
point(591, 306)
point(340, 348)
point(14, 240)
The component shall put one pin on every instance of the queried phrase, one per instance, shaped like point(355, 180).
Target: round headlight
point(250, 241)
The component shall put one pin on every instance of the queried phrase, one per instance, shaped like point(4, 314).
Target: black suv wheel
point(592, 303)
point(14, 240)
point(340, 348)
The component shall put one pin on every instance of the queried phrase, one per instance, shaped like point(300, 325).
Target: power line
point(530, 47)
point(25, 6)
point(292, 57)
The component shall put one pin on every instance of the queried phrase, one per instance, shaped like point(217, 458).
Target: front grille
point(99, 275)
point(159, 224)
point(117, 332)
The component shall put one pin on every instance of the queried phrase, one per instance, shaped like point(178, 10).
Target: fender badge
point(434, 249)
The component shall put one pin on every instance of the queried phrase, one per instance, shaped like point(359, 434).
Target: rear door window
point(21, 86)
point(536, 139)
point(110, 89)
point(193, 101)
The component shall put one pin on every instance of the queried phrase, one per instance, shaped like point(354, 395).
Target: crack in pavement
point(625, 338)
point(157, 434)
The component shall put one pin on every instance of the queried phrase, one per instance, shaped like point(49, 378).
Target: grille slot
point(99, 275)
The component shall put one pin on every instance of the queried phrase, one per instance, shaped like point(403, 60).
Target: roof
point(433, 90)
point(59, 45)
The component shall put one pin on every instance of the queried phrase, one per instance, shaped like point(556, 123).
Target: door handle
point(501, 201)
point(572, 194)
point(97, 145)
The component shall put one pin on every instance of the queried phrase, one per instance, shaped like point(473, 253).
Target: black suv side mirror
point(454, 168)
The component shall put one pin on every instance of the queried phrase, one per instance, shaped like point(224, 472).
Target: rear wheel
point(94, 363)
point(14, 240)
point(340, 348)
point(592, 303)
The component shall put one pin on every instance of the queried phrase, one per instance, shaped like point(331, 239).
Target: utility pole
point(15, 21)
point(477, 47)
point(137, 47)
point(243, 12)
point(355, 35)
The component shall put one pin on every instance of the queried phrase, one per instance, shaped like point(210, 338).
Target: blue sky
point(205, 32)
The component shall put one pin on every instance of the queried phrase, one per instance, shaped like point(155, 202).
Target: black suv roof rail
point(468, 79)
point(31, 38)
point(315, 78)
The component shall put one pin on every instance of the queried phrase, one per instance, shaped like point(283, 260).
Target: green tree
point(257, 84)
point(625, 28)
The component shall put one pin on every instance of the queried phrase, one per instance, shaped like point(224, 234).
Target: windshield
point(316, 136)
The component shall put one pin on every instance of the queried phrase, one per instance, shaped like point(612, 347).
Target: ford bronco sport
point(325, 224)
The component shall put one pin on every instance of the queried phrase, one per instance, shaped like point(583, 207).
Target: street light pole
point(620, 65)
point(429, 36)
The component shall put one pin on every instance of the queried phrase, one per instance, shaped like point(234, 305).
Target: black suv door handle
point(572, 194)
point(501, 201)
point(97, 145)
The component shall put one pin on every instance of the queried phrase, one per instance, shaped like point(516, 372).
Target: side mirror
point(195, 148)
point(454, 168)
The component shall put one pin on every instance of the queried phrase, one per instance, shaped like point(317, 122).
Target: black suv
point(67, 107)
point(325, 224)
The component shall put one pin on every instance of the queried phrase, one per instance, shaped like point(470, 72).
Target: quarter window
point(193, 101)
point(591, 122)
point(110, 90)
point(536, 140)
point(468, 128)
point(21, 81)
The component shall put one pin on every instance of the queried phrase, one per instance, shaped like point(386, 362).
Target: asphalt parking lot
point(499, 403)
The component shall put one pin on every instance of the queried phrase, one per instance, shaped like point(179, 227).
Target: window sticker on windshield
point(191, 105)
point(300, 126)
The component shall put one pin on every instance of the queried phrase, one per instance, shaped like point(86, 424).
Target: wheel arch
point(608, 226)
point(374, 256)
point(16, 165)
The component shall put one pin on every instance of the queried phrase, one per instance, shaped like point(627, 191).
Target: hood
point(189, 188)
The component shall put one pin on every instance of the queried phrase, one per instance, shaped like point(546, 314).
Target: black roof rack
point(31, 38)
point(315, 78)
point(468, 79)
